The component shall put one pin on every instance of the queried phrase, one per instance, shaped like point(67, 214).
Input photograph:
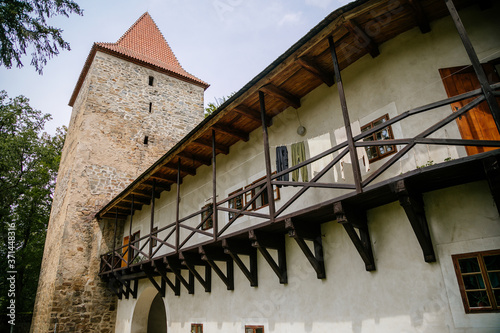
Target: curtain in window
point(298, 156)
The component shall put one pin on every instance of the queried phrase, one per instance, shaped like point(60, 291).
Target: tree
point(23, 25)
point(211, 107)
point(28, 169)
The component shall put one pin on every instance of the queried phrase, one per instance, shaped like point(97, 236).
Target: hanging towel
point(298, 156)
point(341, 136)
point(317, 145)
point(282, 162)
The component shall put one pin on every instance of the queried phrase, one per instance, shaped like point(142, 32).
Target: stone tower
point(132, 102)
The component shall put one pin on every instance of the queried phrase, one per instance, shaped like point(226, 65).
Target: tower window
point(150, 107)
point(151, 80)
point(146, 140)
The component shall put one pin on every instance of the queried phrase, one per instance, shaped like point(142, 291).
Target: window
point(151, 80)
point(235, 203)
point(378, 152)
point(134, 241)
point(478, 276)
point(196, 328)
point(254, 329)
point(206, 217)
point(262, 200)
point(150, 107)
point(146, 139)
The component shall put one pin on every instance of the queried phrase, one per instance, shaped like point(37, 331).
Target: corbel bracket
point(313, 234)
point(234, 250)
point(190, 260)
point(161, 268)
point(211, 255)
point(262, 242)
point(492, 170)
point(150, 273)
point(351, 218)
point(413, 204)
point(115, 286)
point(175, 266)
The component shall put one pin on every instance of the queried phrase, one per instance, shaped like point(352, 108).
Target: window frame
point(209, 223)
point(151, 80)
point(374, 138)
point(248, 196)
point(196, 327)
point(254, 328)
point(233, 201)
point(154, 242)
point(494, 307)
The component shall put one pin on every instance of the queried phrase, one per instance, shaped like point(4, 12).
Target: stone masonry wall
point(104, 151)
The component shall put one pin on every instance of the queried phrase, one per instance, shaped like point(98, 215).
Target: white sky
point(223, 42)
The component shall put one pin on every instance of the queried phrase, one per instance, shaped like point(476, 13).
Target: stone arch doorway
point(150, 315)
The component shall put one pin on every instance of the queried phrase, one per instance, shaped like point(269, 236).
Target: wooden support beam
point(251, 114)
point(234, 250)
point(363, 40)
point(149, 271)
point(240, 135)
point(262, 242)
point(413, 204)
point(492, 170)
point(281, 94)
point(158, 187)
point(137, 200)
point(195, 158)
point(175, 267)
point(211, 256)
point(115, 286)
point(312, 67)
point(351, 218)
point(420, 16)
point(267, 157)
point(184, 169)
point(313, 234)
point(190, 260)
point(127, 291)
point(219, 148)
point(484, 4)
point(169, 179)
point(161, 267)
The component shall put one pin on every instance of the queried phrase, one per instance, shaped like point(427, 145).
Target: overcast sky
point(223, 42)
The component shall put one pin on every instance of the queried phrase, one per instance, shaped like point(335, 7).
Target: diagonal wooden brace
point(313, 234)
point(162, 270)
point(174, 265)
point(351, 218)
point(190, 260)
point(413, 204)
point(262, 242)
point(211, 256)
point(150, 273)
point(492, 170)
point(234, 250)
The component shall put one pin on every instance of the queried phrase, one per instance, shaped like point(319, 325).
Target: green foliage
point(211, 107)
point(23, 25)
point(28, 169)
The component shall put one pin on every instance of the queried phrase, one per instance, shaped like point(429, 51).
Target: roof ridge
point(132, 26)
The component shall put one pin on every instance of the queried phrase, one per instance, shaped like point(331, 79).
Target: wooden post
point(347, 122)
point(114, 242)
point(129, 249)
point(177, 227)
point(215, 219)
point(481, 76)
point(151, 226)
point(270, 192)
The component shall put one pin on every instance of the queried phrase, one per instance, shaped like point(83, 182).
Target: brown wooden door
point(125, 253)
point(478, 123)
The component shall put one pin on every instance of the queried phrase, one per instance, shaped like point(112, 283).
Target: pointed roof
point(144, 44)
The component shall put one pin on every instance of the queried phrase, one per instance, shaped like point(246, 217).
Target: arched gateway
point(150, 314)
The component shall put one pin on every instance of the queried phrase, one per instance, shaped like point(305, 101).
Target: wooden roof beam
point(363, 40)
point(163, 178)
point(220, 148)
point(313, 68)
point(140, 200)
point(240, 135)
point(281, 94)
point(422, 20)
point(125, 207)
point(184, 168)
point(195, 158)
point(250, 113)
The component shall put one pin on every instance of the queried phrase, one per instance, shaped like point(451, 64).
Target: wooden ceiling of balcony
point(357, 29)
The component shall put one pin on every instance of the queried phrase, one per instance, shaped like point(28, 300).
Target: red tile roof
point(144, 44)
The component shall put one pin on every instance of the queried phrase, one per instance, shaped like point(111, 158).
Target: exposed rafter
point(262, 242)
point(413, 204)
point(240, 135)
point(313, 234)
point(312, 67)
point(195, 158)
point(351, 218)
point(419, 13)
point(363, 40)
point(251, 114)
point(219, 148)
point(234, 250)
point(281, 94)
